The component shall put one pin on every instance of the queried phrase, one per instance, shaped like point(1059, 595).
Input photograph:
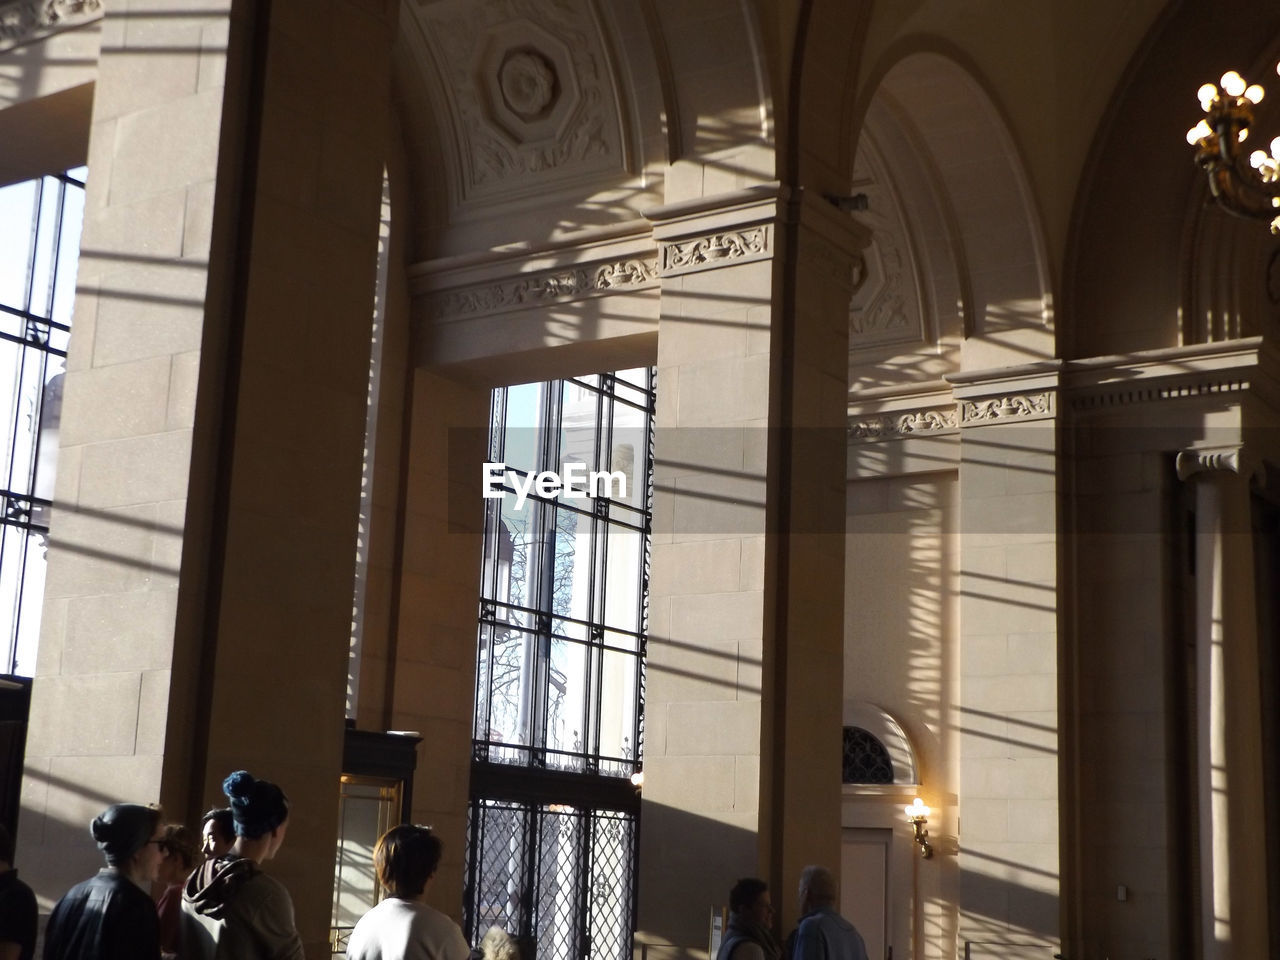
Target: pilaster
point(1007, 714)
point(1234, 922)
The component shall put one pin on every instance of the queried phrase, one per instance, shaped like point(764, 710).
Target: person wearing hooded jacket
point(111, 915)
point(231, 909)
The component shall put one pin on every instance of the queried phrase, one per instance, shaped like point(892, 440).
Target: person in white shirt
point(403, 927)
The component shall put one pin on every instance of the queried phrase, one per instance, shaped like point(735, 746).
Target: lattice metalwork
point(558, 878)
point(560, 669)
point(865, 758)
point(39, 248)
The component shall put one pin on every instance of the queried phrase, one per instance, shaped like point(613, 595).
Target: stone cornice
point(24, 21)
point(1200, 370)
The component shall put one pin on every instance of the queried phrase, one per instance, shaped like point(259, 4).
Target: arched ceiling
point(528, 121)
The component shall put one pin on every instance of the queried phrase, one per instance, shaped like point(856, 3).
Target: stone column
point(1231, 813)
point(1006, 712)
point(199, 592)
point(743, 698)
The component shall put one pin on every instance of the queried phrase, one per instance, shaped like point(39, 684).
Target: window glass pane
point(40, 223)
point(17, 206)
point(68, 257)
point(560, 671)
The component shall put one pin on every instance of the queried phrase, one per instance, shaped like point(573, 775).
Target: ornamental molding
point(909, 423)
point(22, 21)
point(547, 286)
point(1156, 392)
point(1202, 460)
point(715, 250)
point(529, 89)
point(1006, 409)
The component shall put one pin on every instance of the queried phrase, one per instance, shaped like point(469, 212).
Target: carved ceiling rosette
point(529, 93)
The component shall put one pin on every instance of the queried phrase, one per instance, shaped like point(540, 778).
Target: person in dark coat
point(111, 916)
point(17, 907)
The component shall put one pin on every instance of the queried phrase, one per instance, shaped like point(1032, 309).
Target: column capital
point(1202, 459)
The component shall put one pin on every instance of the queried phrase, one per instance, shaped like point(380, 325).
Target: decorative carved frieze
point(547, 286)
point(896, 425)
point(1018, 406)
point(22, 21)
point(714, 250)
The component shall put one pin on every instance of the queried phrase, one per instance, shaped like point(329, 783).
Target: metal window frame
point(535, 778)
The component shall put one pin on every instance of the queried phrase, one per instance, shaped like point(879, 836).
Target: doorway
point(864, 886)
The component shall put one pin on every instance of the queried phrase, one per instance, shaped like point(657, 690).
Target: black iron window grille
point(559, 708)
point(40, 224)
point(865, 758)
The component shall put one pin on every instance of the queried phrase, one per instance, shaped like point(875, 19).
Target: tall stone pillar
point(743, 696)
point(1006, 712)
point(1230, 797)
point(199, 590)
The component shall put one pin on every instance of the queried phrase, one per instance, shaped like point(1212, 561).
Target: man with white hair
point(823, 934)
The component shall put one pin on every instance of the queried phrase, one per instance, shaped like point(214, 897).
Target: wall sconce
point(918, 816)
point(1219, 138)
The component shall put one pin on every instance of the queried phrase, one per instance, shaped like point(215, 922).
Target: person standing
point(17, 907)
point(217, 832)
point(111, 916)
point(823, 934)
point(749, 935)
point(403, 927)
point(231, 909)
point(179, 857)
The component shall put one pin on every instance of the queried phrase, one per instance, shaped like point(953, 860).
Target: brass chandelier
point(1219, 141)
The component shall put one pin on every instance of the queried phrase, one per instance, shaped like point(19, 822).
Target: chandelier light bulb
point(1254, 93)
point(1257, 159)
point(1199, 132)
point(1207, 94)
point(1275, 148)
point(1243, 135)
point(1233, 83)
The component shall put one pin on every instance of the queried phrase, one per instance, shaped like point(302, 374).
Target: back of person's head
point(497, 944)
point(817, 885)
point(745, 892)
point(257, 806)
point(123, 829)
point(6, 845)
point(180, 843)
point(406, 857)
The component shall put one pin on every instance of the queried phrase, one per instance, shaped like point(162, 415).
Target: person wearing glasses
point(111, 916)
point(231, 909)
point(403, 927)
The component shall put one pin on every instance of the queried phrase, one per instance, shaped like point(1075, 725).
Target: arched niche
point(957, 239)
point(884, 728)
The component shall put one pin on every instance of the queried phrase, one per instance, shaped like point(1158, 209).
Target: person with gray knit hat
point(111, 915)
point(231, 909)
